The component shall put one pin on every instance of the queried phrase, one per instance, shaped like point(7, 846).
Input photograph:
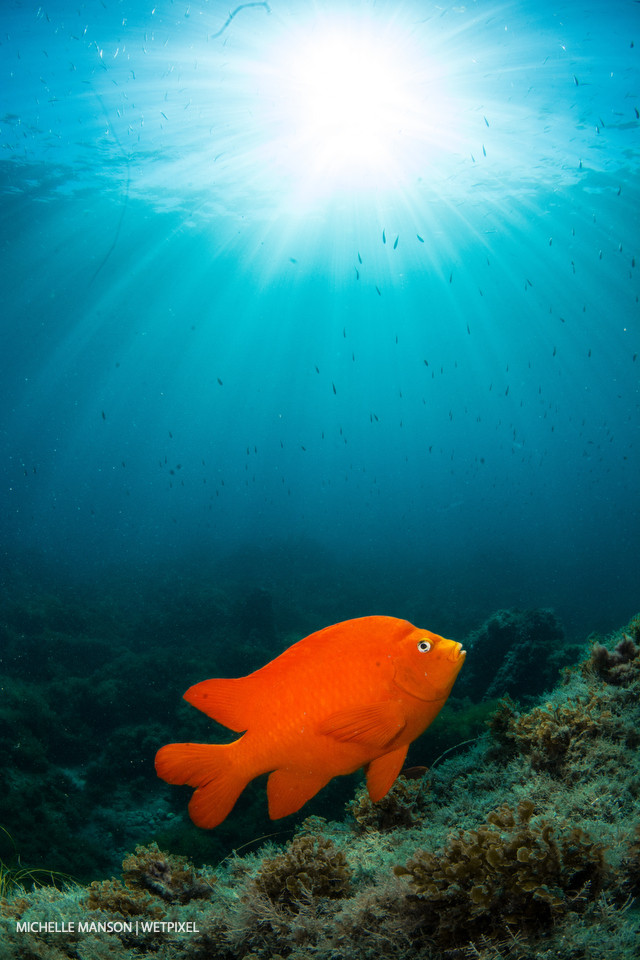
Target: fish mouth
point(458, 653)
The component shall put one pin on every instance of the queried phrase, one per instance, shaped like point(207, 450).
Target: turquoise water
point(313, 311)
point(215, 356)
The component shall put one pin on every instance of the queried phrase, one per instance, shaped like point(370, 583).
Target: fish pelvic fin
point(210, 768)
point(382, 772)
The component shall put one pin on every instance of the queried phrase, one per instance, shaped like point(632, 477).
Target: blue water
point(214, 365)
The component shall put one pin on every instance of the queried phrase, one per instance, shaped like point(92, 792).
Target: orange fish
point(352, 695)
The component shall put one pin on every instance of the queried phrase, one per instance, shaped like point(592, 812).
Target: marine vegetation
point(404, 805)
point(16, 879)
point(512, 873)
point(309, 867)
point(621, 665)
point(149, 875)
point(521, 845)
point(515, 652)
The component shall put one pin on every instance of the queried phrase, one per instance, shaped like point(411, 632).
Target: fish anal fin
point(376, 724)
point(229, 702)
point(288, 790)
point(382, 772)
point(209, 768)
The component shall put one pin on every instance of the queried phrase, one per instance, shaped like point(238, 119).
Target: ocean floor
point(521, 841)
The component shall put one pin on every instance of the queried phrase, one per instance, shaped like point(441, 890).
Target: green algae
point(522, 844)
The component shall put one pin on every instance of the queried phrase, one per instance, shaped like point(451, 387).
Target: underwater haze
point(338, 300)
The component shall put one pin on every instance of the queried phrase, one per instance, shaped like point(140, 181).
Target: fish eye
point(424, 646)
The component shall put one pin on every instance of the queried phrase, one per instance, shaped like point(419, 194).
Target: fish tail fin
point(211, 769)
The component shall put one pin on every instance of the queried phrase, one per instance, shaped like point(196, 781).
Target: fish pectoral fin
point(288, 790)
point(382, 772)
point(375, 723)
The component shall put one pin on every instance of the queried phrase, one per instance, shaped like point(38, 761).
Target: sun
point(351, 101)
point(358, 104)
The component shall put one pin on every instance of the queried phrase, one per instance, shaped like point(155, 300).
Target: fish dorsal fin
point(382, 772)
point(231, 702)
point(375, 723)
point(288, 790)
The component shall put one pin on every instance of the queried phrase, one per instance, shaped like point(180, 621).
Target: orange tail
point(211, 770)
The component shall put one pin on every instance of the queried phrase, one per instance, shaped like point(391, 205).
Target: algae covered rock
point(515, 652)
point(403, 806)
point(512, 872)
point(309, 868)
point(149, 878)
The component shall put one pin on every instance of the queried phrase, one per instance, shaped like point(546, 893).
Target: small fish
point(359, 258)
point(395, 242)
point(384, 237)
point(304, 721)
point(421, 239)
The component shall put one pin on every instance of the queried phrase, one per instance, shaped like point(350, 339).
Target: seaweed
point(553, 735)
point(311, 867)
point(149, 876)
point(524, 847)
point(112, 896)
point(630, 867)
point(620, 666)
point(510, 873)
point(403, 806)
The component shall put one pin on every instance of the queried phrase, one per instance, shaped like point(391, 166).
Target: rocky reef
point(523, 844)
